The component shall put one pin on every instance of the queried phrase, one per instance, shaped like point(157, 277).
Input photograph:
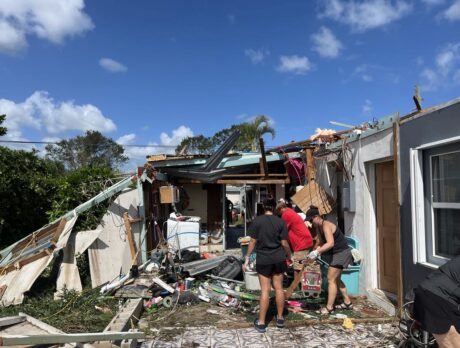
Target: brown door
point(387, 227)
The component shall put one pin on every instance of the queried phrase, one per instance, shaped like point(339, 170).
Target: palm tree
point(252, 131)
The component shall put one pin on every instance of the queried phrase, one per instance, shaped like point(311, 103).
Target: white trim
point(417, 207)
point(438, 143)
point(373, 239)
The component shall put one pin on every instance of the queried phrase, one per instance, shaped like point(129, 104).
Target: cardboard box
point(169, 194)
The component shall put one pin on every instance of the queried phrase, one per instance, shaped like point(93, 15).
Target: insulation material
point(110, 254)
point(69, 276)
point(313, 194)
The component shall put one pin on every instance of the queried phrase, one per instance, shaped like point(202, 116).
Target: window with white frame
point(436, 203)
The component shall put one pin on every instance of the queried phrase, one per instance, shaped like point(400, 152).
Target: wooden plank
point(2, 289)
point(127, 315)
point(313, 194)
point(7, 321)
point(8, 340)
point(35, 237)
point(311, 168)
point(254, 181)
point(130, 235)
point(25, 261)
point(264, 165)
point(251, 175)
point(58, 231)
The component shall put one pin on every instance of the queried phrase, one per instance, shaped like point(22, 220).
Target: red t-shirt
point(299, 236)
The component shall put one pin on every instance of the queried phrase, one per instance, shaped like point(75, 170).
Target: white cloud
point(362, 72)
point(446, 63)
point(367, 14)
point(176, 137)
point(231, 18)
point(112, 65)
point(326, 44)
point(51, 20)
point(295, 64)
point(40, 112)
point(367, 106)
point(256, 56)
point(126, 139)
point(453, 12)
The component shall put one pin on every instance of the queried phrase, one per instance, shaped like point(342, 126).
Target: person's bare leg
point(343, 291)
point(279, 292)
point(265, 285)
point(332, 275)
point(451, 339)
point(295, 282)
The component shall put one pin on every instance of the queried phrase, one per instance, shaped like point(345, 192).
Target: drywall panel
point(109, 255)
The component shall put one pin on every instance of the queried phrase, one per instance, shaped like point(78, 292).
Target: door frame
point(372, 180)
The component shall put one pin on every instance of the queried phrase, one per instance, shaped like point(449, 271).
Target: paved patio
point(321, 335)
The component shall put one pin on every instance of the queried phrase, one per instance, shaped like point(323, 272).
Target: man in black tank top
point(334, 250)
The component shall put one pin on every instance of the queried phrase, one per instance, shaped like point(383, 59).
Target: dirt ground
point(204, 314)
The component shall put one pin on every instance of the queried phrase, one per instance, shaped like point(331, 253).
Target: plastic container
point(350, 276)
point(251, 280)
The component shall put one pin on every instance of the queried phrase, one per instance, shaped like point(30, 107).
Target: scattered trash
point(347, 324)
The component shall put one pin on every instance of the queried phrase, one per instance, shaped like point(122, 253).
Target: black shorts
point(271, 269)
point(435, 313)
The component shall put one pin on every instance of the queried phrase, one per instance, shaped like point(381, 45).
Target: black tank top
point(340, 243)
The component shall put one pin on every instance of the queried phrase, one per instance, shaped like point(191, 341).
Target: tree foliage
point(3, 130)
point(77, 187)
point(27, 186)
point(92, 149)
point(248, 141)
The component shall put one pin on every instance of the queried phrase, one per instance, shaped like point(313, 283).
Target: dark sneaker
point(280, 323)
point(260, 327)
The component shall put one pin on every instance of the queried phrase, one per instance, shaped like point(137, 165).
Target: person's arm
point(251, 246)
point(328, 230)
point(329, 236)
point(287, 249)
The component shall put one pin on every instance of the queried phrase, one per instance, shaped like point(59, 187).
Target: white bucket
point(251, 280)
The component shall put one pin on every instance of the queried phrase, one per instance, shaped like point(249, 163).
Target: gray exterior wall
point(360, 223)
point(437, 125)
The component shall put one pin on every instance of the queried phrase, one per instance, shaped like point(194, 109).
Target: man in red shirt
point(299, 239)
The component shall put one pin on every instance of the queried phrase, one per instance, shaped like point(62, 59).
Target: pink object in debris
point(294, 303)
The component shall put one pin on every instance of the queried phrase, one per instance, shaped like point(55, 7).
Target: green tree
point(77, 187)
point(248, 141)
point(2, 129)
point(27, 186)
point(92, 149)
point(251, 132)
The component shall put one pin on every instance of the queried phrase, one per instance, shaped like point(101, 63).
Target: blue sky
point(153, 72)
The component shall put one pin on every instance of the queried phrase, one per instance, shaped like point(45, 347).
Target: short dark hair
point(311, 213)
point(269, 203)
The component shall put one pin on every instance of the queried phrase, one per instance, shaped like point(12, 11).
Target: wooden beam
point(311, 169)
point(254, 181)
point(2, 290)
point(130, 235)
point(33, 238)
point(25, 261)
point(264, 165)
point(26, 340)
point(253, 175)
point(58, 231)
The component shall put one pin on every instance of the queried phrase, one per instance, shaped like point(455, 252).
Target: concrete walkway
point(321, 335)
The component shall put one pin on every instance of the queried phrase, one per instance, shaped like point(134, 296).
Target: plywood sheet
point(313, 194)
